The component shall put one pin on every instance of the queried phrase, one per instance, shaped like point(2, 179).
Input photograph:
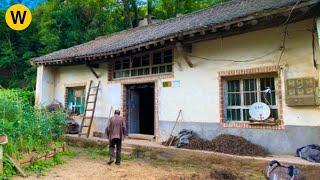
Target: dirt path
point(83, 167)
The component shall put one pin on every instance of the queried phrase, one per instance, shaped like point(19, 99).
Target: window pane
point(233, 115)
point(246, 115)
point(145, 61)
point(126, 73)
point(234, 86)
point(169, 68)
point(146, 71)
point(162, 69)
point(270, 96)
point(274, 113)
point(249, 85)
point(136, 62)
point(125, 64)
point(267, 82)
point(117, 65)
point(249, 98)
point(168, 56)
point(134, 72)
point(234, 99)
point(117, 74)
point(155, 70)
point(140, 72)
point(157, 58)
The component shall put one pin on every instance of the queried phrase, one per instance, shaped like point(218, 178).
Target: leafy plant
point(29, 128)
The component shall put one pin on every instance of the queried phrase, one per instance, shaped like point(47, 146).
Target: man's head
point(117, 112)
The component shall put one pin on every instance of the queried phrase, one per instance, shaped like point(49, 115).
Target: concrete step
point(141, 136)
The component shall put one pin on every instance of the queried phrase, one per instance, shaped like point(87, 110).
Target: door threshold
point(142, 137)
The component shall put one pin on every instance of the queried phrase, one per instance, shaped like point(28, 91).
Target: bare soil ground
point(85, 166)
point(156, 164)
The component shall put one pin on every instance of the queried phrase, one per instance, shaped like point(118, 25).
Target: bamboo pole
point(175, 124)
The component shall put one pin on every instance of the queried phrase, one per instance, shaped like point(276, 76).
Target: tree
point(59, 24)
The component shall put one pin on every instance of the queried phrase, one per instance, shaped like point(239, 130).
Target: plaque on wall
point(301, 92)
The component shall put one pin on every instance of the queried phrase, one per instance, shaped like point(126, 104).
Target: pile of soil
point(228, 144)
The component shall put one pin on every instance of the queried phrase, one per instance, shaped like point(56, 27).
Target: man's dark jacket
point(116, 128)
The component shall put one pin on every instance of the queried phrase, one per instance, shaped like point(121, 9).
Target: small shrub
point(29, 128)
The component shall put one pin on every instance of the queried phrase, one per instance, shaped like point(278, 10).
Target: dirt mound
point(228, 144)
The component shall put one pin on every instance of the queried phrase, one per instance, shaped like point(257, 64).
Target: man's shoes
point(110, 162)
point(117, 163)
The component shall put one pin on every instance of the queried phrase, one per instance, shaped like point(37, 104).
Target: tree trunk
point(149, 16)
point(127, 12)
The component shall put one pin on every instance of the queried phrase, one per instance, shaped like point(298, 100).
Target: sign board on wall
point(301, 92)
point(174, 83)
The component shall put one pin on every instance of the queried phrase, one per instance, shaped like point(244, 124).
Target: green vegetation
point(29, 129)
point(59, 24)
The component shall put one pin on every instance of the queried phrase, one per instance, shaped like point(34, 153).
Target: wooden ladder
point(91, 101)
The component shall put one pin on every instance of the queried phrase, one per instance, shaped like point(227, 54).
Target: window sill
point(250, 125)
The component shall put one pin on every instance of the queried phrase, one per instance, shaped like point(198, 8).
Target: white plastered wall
point(108, 95)
point(198, 94)
point(45, 85)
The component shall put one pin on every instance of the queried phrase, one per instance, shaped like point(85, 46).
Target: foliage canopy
point(59, 24)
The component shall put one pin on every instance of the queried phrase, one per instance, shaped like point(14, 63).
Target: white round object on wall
point(259, 111)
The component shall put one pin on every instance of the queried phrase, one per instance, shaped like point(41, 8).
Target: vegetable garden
point(29, 129)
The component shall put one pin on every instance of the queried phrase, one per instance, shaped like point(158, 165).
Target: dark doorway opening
point(140, 106)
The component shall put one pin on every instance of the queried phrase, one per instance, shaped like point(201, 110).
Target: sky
point(4, 4)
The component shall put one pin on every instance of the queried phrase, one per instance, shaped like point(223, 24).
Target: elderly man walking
point(116, 130)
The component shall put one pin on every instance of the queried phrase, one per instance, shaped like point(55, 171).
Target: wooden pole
point(175, 124)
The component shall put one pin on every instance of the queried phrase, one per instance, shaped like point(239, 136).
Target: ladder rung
point(92, 94)
point(87, 117)
point(90, 101)
point(82, 134)
point(94, 87)
point(85, 126)
point(89, 109)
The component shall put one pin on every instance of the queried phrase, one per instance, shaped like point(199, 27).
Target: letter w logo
point(17, 16)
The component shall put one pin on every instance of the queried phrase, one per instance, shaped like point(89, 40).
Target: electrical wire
point(237, 61)
point(285, 35)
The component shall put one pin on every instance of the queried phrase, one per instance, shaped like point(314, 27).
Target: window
point(76, 99)
point(148, 64)
point(242, 92)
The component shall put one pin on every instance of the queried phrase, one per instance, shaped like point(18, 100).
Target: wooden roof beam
point(182, 51)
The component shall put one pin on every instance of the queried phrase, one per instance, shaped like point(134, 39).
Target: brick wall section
point(251, 71)
point(110, 70)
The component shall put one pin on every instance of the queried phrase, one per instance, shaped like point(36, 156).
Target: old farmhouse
point(212, 65)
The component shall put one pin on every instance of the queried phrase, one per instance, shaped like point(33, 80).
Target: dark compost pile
point(224, 143)
point(228, 144)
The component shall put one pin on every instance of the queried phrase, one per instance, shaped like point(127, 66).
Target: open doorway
point(140, 106)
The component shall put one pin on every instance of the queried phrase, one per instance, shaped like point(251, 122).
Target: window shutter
point(82, 105)
point(70, 96)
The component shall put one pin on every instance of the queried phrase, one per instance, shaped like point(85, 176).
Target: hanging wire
point(285, 35)
point(237, 61)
